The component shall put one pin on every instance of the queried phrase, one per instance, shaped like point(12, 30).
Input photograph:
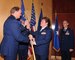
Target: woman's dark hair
point(47, 21)
point(14, 9)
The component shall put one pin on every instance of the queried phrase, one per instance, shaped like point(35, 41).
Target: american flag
point(33, 18)
point(32, 23)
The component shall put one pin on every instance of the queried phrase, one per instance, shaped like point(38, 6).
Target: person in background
point(12, 35)
point(23, 47)
point(66, 41)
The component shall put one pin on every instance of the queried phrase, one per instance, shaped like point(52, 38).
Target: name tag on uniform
point(67, 33)
point(43, 33)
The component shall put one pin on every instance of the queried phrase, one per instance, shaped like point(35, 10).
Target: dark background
point(65, 9)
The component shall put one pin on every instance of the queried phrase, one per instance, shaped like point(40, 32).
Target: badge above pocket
point(43, 33)
point(67, 33)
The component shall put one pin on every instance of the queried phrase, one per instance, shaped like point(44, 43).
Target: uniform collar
point(12, 16)
point(43, 28)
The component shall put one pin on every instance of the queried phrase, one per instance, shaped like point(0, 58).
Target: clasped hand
point(32, 39)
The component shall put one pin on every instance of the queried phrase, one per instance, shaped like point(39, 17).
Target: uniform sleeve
point(15, 28)
point(60, 36)
point(71, 39)
point(22, 28)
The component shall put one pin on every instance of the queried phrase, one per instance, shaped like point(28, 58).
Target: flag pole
point(55, 51)
point(55, 56)
point(41, 6)
point(33, 51)
point(34, 57)
point(56, 37)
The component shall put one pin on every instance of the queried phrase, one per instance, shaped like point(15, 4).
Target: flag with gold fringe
point(56, 37)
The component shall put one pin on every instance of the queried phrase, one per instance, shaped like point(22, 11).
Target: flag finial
point(41, 5)
point(55, 13)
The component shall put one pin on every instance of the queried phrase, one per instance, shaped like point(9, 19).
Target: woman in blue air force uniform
point(43, 38)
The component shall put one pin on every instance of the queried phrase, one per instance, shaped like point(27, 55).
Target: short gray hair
point(14, 9)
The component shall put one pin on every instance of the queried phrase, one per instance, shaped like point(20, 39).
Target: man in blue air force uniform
point(12, 35)
point(66, 41)
point(43, 38)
